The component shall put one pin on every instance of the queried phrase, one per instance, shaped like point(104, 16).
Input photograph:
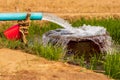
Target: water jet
point(85, 39)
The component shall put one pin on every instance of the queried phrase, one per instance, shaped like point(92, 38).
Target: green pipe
point(19, 16)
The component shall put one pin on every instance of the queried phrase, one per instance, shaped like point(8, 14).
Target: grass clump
point(37, 29)
point(108, 64)
point(11, 44)
point(112, 65)
point(49, 51)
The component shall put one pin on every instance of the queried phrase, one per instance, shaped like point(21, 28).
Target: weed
point(112, 65)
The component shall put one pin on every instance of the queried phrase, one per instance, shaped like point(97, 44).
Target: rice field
point(110, 64)
point(65, 8)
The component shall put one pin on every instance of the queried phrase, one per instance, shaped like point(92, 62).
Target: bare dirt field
point(65, 8)
point(17, 65)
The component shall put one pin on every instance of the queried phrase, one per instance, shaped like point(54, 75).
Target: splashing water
point(57, 20)
point(86, 30)
point(80, 32)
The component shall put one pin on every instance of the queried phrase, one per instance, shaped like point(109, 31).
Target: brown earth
point(65, 8)
point(17, 65)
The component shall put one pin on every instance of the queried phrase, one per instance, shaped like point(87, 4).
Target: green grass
point(49, 51)
point(108, 65)
point(36, 29)
point(34, 42)
point(111, 63)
